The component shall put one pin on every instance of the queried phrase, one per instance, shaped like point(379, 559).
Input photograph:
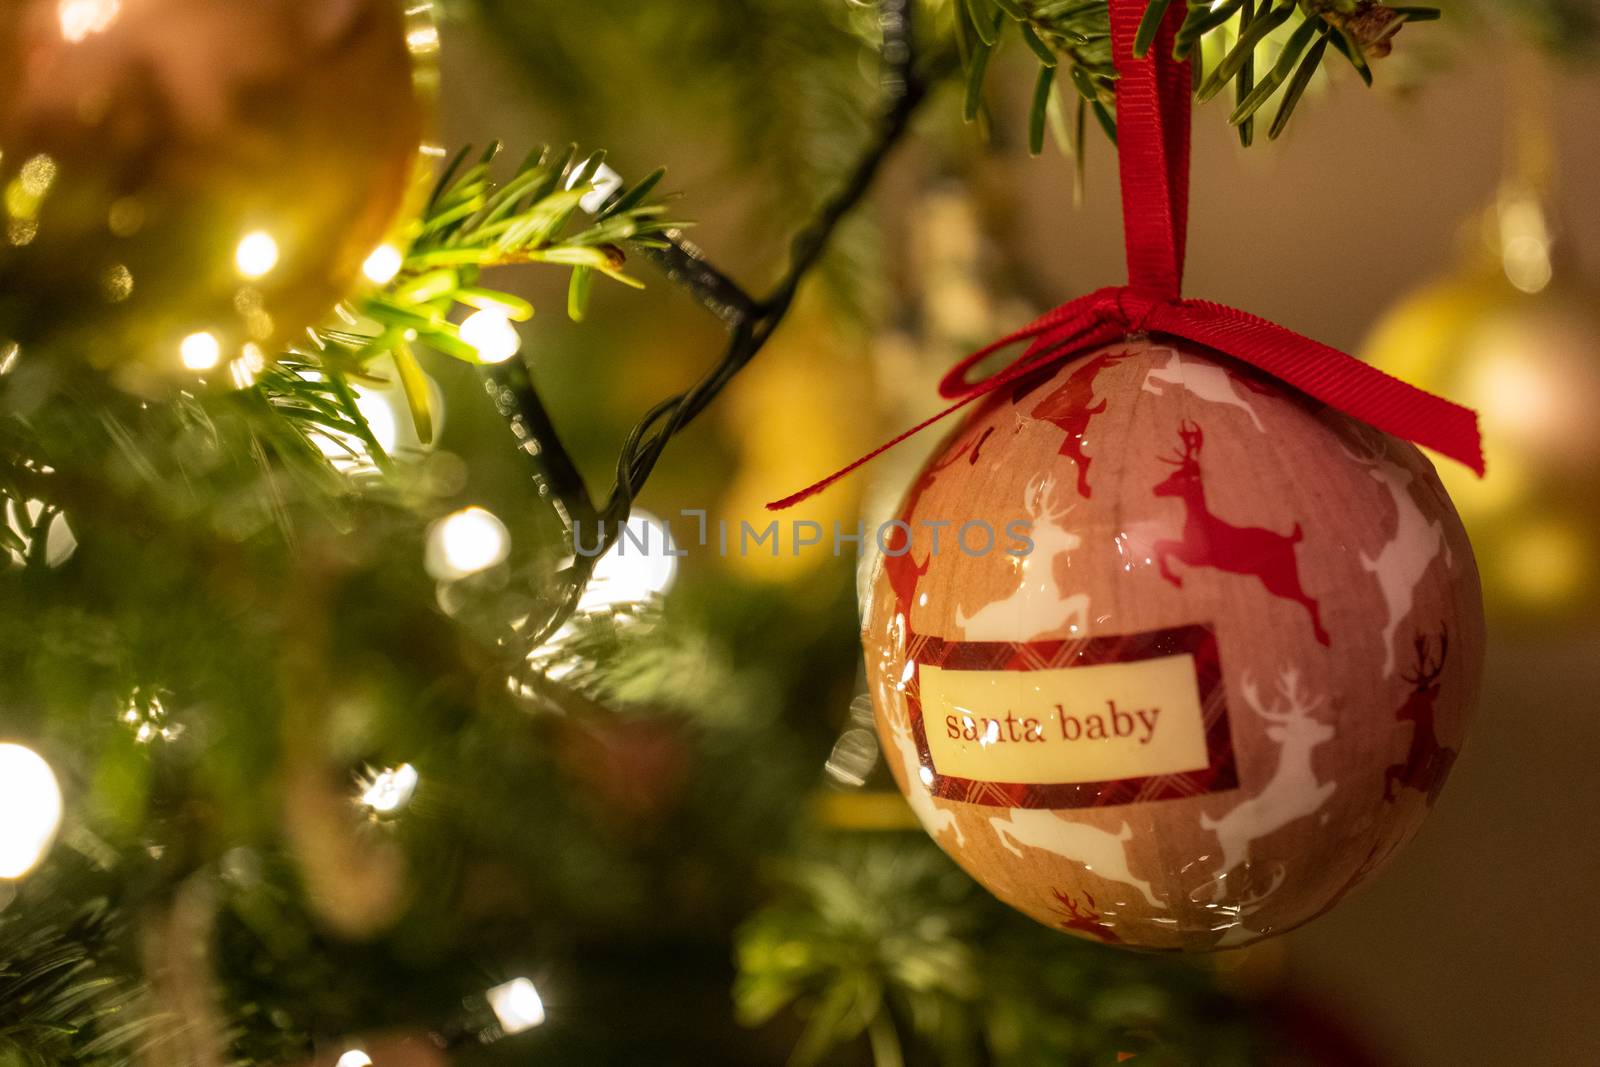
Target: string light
point(200, 351)
point(23, 517)
point(491, 333)
point(465, 543)
point(30, 810)
point(639, 567)
point(391, 790)
point(423, 41)
point(145, 713)
point(383, 265)
point(81, 19)
point(256, 255)
point(517, 1005)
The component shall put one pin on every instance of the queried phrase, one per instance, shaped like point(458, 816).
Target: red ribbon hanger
point(1153, 151)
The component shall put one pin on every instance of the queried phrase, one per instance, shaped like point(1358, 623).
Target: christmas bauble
point(1166, 654)
point(1530, 362)
point(184, 178)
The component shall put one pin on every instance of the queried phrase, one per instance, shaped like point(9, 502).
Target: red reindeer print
point(1428, 762)
point(1210, 542)
point(1071, 407)
point(1084, 919)
point(902, 570)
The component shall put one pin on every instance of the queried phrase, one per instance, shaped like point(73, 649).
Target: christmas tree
point(343, 721)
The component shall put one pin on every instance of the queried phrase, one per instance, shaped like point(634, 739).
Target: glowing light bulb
point(638, 567)
point(256, 255)
point(200, 351)
point(391, 790)
point(354, 1058)
point(467, 542)
point(517, 1005)
point(492, 334)
point(26, 520)
point(81, 18)
point(30, 810)
point(384, 263)
point(423, 41)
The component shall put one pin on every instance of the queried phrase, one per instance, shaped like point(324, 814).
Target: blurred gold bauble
point(1529, 362)
point(185, 182)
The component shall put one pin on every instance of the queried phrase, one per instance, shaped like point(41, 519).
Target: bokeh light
point(256, 255)
point(517, 1005)
point(465, 543)
point(81, 19)
point(389, 791)
point(383, 265)
point(200, 351)
point(639, 567)
point(492, 334)
point(30, 809)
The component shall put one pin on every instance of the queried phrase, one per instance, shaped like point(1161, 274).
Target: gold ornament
point(188, 183)
point(1508, 336)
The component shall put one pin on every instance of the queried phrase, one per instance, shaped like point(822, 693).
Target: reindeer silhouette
point(934, 819)
point(903, 571)
point(1428, 762)
point(1401, 563)
point(1293, 791)
point(899, 563)
point(1037, 607)
point(1210, 542)
point(1071, 407)
point(1206, 380)
point(1097, 850)
point(1084, 919)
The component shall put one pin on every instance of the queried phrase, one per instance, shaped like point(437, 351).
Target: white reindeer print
point(1402, 562)
point(1038, 607)
point(1205, 380)
point(1099, 851)
point(1293, 793)
point(934, 819)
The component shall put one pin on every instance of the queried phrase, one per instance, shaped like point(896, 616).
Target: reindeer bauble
point(1187, 719)
point(1216, 694)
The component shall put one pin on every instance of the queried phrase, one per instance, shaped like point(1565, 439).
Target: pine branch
point(60, 1003)
point(1076, 35)
point(472, 223)
point(881, 940)
point(751, 321)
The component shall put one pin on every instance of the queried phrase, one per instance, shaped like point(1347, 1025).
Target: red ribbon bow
point(1153, 149)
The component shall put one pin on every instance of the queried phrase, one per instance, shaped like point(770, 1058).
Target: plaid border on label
point(1199, 641)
